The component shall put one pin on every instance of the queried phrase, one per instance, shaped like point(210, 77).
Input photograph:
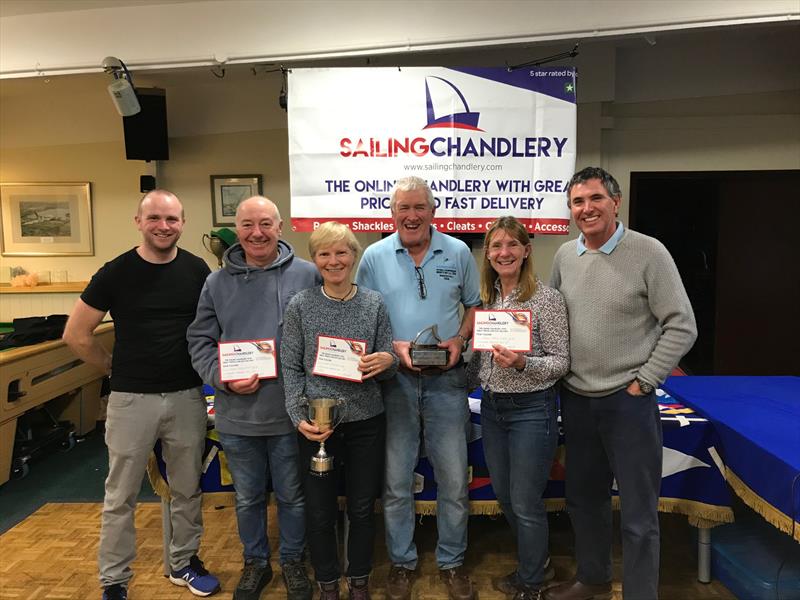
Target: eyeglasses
point(423, 291)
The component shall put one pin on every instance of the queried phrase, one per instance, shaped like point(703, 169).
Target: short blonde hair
point(329, 233)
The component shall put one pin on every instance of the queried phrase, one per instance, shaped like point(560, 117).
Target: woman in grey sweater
point(322, 324)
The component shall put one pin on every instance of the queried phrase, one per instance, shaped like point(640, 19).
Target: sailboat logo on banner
point(449, 96)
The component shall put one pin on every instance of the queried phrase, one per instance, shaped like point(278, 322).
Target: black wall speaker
point(147, 183)
point(146, 135)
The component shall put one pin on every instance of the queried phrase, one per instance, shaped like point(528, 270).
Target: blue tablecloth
point(758, 422)
point(692, 480)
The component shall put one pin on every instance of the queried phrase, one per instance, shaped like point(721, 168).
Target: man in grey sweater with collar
point(630, 323)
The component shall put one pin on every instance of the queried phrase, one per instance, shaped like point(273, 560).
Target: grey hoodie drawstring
point(280, 296)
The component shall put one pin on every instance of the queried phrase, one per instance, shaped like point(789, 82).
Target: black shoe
point(298, 587)
point(254, 579)
point(508, 584)
point(528, 593)
point(115, 592)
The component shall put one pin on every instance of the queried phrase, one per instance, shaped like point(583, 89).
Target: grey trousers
point(616, 436)
point(133, 424)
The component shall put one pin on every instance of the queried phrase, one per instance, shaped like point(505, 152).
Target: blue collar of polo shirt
point(610, 244)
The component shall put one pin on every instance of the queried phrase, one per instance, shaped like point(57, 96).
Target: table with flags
point(693, 480)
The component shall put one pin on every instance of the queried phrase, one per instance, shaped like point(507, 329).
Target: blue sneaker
point(115, 592)
point(194, 576)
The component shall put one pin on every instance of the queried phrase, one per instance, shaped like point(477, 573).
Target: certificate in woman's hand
point(339, 357)
point(509, 328)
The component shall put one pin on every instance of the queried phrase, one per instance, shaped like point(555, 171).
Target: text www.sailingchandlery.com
point(454, 168)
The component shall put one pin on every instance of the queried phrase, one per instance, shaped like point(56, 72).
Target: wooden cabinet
point(33, 375)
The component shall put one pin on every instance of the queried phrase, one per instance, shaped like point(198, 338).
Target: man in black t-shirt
point(151, 292)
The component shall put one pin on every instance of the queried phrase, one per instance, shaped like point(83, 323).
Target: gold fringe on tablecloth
point(761, 506)
point(698, 513)
point(157, 482)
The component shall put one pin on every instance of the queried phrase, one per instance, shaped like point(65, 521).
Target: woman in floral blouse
point(518, 408)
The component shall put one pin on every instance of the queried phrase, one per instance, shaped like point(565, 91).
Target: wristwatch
point(644, 386)
point(464, 341)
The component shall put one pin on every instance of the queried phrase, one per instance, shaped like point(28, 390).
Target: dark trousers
point(358, 449)
point(616, 436)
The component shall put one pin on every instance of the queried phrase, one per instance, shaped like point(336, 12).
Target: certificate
point(242, 358)
point(509, 328)
point(339, 358)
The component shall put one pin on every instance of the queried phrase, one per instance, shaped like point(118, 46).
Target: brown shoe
point(459, 587)
point(358, 588)
point(399, 583)
point(329, 590)
point(549, 571)
point(575, 590)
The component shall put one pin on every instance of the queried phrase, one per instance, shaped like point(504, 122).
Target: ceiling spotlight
point(121, 89)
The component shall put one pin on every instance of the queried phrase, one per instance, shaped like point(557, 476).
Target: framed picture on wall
point(227, 192)
point(46, 219)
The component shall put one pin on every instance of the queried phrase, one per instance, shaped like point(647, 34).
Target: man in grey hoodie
point(245, 300)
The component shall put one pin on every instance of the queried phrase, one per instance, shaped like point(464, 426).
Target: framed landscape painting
point(227, 191)
point(46, 219)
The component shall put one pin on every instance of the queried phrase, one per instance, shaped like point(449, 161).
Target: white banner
point(488, 141)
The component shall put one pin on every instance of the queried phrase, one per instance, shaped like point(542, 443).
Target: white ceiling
point(12, 8)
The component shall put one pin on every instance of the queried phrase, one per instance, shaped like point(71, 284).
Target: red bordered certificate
point(240, 359)
point(509, 328)
point(339, 357)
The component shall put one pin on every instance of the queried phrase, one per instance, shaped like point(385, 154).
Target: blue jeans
point(251, 461)
point(519, 440)
point(435, 406)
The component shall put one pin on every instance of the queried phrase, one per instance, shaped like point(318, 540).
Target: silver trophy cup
point(325, 413)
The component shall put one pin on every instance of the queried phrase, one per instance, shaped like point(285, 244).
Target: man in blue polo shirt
point(425, 278)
